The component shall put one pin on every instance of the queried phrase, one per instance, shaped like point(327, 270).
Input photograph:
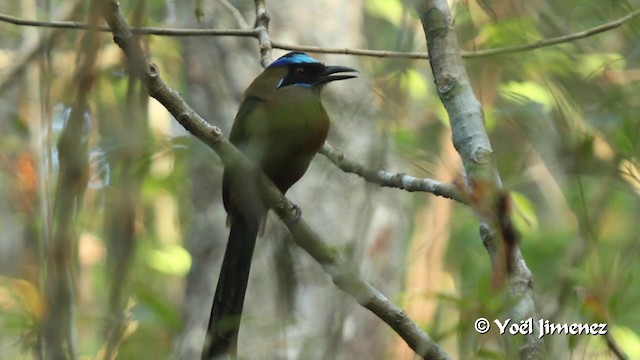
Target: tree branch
point(388, 179)
point(332, 262)
point(262, 32)
point(257, 32)
point(472, 143)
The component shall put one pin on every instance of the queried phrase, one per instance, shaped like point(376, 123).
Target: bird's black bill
point(334, 73)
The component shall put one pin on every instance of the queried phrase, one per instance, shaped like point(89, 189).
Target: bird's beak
point(329, 72)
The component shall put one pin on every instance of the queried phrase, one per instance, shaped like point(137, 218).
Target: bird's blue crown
point(293, 58)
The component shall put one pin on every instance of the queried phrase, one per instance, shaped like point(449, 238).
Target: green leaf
point(628, 340)
point(171, 260)
point(490, 118)
point(414, 83)
point(592, 65)
point(390, 10)
point(527, 91)
point(524, 214)
point(515, 31)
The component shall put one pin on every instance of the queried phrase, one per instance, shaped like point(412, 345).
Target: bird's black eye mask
point(305, 75)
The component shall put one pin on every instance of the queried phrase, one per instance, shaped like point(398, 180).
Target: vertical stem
point(472, 143)
point(61, 251)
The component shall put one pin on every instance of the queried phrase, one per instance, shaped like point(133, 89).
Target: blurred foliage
point(563, 122)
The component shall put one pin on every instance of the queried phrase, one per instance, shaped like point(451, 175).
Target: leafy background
point(563, 122)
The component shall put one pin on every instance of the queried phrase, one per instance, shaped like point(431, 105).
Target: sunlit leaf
point(513, 31)
point(628, 340)
point(624, 337)
point(29, 296)
point(528, 91)
point(171, 260)
point(555, 60)
point(489, 118)
point(443, 115)
point(415, 83)
point(390, 10)
point(524, 213)
point(591, 65)
point(630, 172)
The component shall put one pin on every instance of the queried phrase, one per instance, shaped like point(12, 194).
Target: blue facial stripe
point(297, 58)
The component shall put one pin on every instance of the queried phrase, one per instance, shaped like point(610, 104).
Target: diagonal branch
point(332, 262)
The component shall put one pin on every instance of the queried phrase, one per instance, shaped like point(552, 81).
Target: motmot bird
point(280, 126)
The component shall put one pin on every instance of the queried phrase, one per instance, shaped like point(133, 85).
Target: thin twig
point(74, 25)
point(388, 179)
point(333, 263)
point(350, 51)
point(345, 51)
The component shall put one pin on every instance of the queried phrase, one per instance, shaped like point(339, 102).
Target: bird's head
point(305, 71)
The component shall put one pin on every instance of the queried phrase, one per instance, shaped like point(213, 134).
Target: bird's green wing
point(240, 131)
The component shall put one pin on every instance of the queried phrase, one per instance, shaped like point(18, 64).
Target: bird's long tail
point(228, 301)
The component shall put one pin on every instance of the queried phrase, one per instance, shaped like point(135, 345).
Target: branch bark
point(472, 143)
point(394, 180)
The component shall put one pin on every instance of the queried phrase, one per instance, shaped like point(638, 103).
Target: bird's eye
point(299, 72)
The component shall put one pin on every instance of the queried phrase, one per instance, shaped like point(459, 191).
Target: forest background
point(111, 236)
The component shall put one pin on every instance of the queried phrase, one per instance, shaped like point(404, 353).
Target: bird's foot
point(297, 215)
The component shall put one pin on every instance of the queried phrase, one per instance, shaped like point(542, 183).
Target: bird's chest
point(308, 129)
point(295, 128)
point(284, 138)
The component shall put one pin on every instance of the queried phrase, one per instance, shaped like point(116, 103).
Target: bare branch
point(258, 32)
point(388, 179)
point(262, 32)
point(349, 51)
point(73, 25)
point(332, 262)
